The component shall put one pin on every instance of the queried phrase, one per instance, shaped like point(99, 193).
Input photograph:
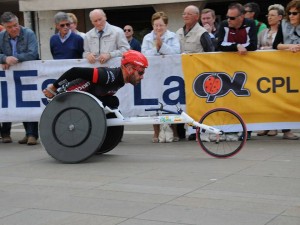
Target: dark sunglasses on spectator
point(127, 30)
point(293, 13)
point(232, 17)
point(64, 25)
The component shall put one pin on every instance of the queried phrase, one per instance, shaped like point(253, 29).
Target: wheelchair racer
point(104, 82)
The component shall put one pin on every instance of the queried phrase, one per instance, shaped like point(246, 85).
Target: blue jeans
point(5, 129)
point(31, 129)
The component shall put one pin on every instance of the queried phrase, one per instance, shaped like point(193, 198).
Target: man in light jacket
point(104, 41)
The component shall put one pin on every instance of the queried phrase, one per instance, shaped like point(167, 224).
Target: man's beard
point(132, 80)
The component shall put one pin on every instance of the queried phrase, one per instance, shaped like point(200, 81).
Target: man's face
point(135, 74)
point(63, 27)
point(234, 18)
point(128, 31)
point(98, 20)
point(12, 28)
point(189, 16)
point(207, 18)
point(249, 14)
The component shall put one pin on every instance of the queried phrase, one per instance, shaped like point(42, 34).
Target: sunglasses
point(64, 25)
point(293, 13)
point(140, 72)
point(127, 30)
point(232, 17)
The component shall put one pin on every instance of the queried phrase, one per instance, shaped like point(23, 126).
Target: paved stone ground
point(141, 183)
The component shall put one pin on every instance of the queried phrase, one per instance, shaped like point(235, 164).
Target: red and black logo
point(213, 85)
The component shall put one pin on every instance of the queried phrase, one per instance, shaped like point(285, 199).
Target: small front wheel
point(234, 133)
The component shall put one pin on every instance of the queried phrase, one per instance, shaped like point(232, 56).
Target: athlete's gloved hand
point(50, 91)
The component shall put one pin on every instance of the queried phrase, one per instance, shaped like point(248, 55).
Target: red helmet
point(135, 58)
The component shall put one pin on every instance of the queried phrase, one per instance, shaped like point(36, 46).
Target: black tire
point(113, 137)
point(72, 127)
point(233, 139)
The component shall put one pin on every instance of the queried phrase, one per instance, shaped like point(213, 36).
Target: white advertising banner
point(21, 97)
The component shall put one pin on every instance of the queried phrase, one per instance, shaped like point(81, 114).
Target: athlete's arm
point(74, 73)
point(88, 74)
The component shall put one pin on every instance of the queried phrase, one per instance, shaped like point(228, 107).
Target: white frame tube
point(161, 119)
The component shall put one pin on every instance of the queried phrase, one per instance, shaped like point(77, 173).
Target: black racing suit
point(102, 82)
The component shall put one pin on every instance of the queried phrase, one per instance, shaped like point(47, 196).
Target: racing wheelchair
point(75, 125)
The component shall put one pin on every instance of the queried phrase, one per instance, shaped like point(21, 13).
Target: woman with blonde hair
point(267, 36)
point(73, 24)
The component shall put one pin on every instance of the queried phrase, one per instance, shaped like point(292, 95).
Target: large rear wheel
point(72, 127)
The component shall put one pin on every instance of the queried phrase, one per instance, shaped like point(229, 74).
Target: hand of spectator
point(50, 91)
point(158, 42)
point(5, 66)
point(104, 57)
point(241, 49)
point(208, 28)
point(295, 48)
point(91, 57)
point(11, 60)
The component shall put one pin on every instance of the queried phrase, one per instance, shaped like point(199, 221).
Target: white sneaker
point(232, 137)
point(205, 137)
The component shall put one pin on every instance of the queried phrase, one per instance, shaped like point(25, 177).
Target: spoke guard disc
point(73, 126)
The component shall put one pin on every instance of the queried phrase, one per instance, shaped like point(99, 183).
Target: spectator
point(288, 38)
point(252, 11)
point(73, 25)
point(5, 127)
point(193, 39)
point(65, 44)
point(5, 132)
point(267, 36)
point(104, 41)
point(161, 41)
point(288, 35)
point(134, 43)
point(18, 44)
point(208, 21)
point(237, 33)
point(266, 39)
